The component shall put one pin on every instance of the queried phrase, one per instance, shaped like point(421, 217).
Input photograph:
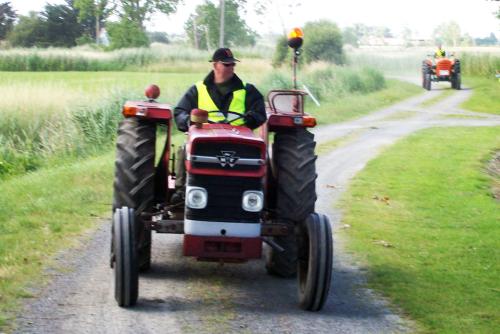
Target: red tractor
point(441, 69)
point(241, 192)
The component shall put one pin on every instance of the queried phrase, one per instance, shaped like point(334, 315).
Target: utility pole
point(221, 30)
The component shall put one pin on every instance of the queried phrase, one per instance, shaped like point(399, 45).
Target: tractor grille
point(443, 64)
point(224, 198)
point(231, 150)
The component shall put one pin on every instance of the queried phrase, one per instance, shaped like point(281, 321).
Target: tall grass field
point(47, 117)
point(88, 59)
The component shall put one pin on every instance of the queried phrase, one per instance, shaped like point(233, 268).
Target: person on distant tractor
point(222, 91)
point(440, 53)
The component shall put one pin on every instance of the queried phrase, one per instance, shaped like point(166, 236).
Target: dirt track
point(182, 295)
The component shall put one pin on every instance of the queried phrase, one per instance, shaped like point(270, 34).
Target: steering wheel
point(225, 121)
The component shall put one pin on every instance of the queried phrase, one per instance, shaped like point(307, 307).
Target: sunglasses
point(229, 64)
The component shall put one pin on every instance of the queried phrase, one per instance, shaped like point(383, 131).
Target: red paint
point(152, 92)
point(222, 247)
point(224, 133)
point(148, 110)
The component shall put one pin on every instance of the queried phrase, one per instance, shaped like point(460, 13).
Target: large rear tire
point(427, 81)
point(134, 178)
point(315, 262)
point(294, 163)
point(458, 81)
point(125, 266)
point(425, 70)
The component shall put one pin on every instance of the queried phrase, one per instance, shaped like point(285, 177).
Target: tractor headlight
point(196, 197)
point(253, 200)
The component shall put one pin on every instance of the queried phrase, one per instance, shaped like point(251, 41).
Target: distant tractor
point(441, 69)
point(241, 191)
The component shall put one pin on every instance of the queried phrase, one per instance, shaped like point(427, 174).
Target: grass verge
point(424, 220)
point(43, 212)
point(436, 99)
point(357, 105)
point(485, 95)
point(53, 206)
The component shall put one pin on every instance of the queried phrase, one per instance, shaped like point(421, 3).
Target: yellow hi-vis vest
point(237, 105)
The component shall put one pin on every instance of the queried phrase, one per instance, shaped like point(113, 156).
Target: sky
point(475, 17)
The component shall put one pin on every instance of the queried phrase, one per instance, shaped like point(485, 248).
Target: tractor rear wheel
point(458, 81)
point(427, 79)
point(125, 266)
point(315, 262)
point(134, 178)
point(295, 169)
point(425, 70)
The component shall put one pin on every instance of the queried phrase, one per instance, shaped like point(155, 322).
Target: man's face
point(224, 71)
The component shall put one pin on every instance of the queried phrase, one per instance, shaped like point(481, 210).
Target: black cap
point(224, 55)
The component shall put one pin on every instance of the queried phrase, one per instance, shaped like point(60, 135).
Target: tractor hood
point(222, 149)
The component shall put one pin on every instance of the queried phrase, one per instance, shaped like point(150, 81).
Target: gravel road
point(180, 295)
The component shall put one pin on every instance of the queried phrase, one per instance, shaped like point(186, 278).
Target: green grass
point(485, 95)
point(428, 199)
point(43, 212)
point(357, 105)
point(53, 206)
point(438, 98)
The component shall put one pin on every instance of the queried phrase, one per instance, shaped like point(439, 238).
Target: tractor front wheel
point(315, 262)
point(125, 260)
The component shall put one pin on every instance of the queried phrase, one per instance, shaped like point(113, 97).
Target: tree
point(56, 25)
point(448, 33)
point(281, 51)
point(323, 41)
point(158, 37)
point(30, 31)
point(350, 36)
point(490, 40)
point(93, 13)
point(139, 11)
point(126, 33)
point(203, 27)
point(7, 18)
point(62, 25)
point(407, 35)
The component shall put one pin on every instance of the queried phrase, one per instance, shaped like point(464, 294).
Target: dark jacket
point(255, 113)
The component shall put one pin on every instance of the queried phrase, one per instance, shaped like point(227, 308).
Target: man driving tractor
point(226, 97)
point(440, 53)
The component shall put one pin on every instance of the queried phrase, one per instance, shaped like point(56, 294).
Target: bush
point(330, 82)
point(323, 41)
point(158, 37)
point(126, 34)
point(281, 52)
point(29, 31)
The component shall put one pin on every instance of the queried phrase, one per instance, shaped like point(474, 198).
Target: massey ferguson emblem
point(227, 158)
